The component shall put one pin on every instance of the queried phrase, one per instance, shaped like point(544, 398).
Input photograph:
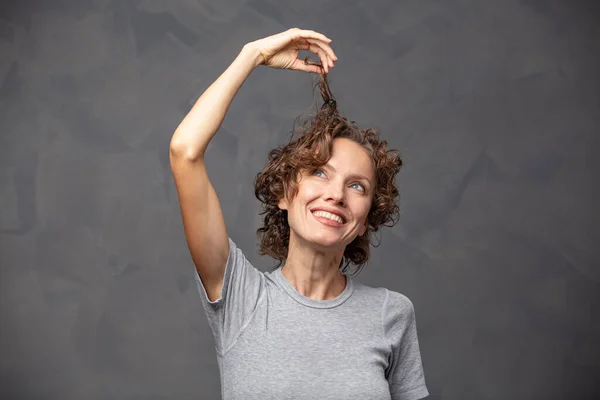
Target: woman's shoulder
point(388, 298)
point(382, 291)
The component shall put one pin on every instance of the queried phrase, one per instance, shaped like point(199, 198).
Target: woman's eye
point(359, 186)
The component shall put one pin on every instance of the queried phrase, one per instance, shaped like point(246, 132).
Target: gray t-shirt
point(274, 343)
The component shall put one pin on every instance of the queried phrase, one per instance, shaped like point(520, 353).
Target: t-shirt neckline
point(293, 293)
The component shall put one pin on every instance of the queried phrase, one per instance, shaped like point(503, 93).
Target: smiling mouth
point(328, 218)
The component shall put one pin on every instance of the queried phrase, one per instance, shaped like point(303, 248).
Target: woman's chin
point(326, 241)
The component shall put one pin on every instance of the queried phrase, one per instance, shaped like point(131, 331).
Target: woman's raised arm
point(203, 220)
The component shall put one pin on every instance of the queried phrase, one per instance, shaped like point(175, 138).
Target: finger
point(301, 65)
point(314, 38)
point(325, 61)
point(302, 45)
point(325, 47)
point(307, 33)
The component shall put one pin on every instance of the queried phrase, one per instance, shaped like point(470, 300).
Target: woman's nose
point(336, 193)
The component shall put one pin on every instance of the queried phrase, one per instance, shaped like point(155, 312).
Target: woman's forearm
point(199, 126)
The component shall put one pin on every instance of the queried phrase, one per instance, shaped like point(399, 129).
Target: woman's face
point(332, 204)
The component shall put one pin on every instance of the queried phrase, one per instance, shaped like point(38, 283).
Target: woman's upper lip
point(331, 211)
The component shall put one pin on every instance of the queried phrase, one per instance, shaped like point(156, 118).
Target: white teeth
point(325, 214)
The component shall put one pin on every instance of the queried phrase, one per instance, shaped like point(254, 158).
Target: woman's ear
point(283, 204)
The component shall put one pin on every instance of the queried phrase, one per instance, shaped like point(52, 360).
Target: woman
point(305, 330)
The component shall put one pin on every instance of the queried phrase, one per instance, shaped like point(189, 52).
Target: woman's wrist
point(251, 54)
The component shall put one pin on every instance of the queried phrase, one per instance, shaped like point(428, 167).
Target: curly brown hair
point(309, 147)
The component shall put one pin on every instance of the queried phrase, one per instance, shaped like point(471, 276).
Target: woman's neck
point(314, 274)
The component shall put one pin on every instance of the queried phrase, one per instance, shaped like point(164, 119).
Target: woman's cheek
point(311, 190)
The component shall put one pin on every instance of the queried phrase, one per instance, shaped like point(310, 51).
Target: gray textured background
point(494, 105)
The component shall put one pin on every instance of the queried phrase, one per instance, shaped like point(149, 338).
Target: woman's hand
point(281, 50)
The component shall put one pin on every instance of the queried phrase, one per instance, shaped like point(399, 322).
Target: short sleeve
point(243, 288)
point(405, 370)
